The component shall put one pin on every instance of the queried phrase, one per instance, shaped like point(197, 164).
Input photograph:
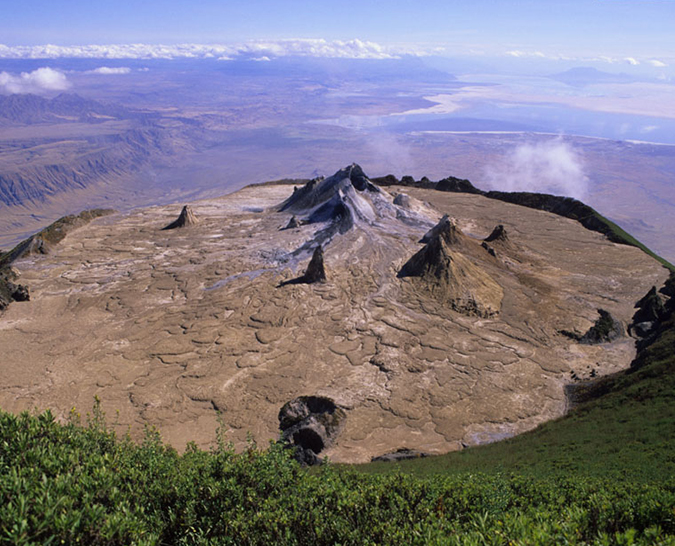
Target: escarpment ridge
point(191, 329)
point(556, 204)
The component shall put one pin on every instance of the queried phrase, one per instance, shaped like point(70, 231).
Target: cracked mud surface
point(170, 328)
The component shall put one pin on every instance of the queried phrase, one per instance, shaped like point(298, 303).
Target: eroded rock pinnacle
point(185, 219)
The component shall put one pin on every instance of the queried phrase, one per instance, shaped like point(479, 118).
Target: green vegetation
point(68, 484)
point(621, 236)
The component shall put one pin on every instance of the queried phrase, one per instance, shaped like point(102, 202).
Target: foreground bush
point(71, 484)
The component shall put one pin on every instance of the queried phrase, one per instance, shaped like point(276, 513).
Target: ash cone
point(186, 218)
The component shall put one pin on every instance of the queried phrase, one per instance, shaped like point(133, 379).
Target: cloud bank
point(344, 49)
point(106, 70)
point(633, 61)
point(38, 81)
point(547, 167)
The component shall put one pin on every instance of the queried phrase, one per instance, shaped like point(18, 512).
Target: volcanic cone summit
point(450, 276)
point(447, 229)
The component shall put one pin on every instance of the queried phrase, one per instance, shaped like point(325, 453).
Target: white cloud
point(548, 167)
point(633, 61)
point(107, 70)
point(532, 54)
point(38, 81)
point(348, 49)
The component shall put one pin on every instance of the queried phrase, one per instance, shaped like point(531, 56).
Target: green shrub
point(68, 484)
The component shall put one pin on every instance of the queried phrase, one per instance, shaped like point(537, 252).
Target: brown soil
point(171, 327)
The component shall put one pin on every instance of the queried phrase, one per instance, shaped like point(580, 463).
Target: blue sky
point(577, 27)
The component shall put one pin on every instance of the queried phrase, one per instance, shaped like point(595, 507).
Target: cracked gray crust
point(172, 328)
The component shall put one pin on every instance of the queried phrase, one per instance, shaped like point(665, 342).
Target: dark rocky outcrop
point(185, 219)
point(315, 272)
point(651, 310)
point(442, 270)
point(388, 180)
point(359, 179)
point(456, 185)
point(498, 234)
point(656, 339)
point(605, 329)
point(293, 223)
point(668, 290)
point(407, 180)
point(490, 250)
point(310, 424)
point(20, 293)
point(402, 454)
point(10, 291)
point(498, 240)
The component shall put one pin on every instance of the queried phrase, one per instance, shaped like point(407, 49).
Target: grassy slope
point(68, 484)
point(628, 239)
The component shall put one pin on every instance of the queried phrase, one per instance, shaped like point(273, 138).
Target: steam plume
point(547, 167)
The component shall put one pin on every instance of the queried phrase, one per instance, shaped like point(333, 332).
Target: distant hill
point(29, 109)
point(586, 75)
point(68, 143)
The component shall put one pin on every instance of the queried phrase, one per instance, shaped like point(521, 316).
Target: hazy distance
point(204, 100)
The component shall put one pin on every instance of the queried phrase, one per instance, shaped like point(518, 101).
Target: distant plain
point(220, 125)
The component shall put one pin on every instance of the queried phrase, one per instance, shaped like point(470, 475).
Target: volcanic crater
point(434, 322)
